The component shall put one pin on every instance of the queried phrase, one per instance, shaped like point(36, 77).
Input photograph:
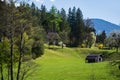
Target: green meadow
point(69, 64)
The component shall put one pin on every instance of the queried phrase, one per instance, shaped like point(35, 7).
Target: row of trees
point(23, 31)
point(111, 41)
point(71, 27)
point(20, 37)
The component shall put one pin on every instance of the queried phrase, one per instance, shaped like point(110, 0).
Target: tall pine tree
point(75, 19)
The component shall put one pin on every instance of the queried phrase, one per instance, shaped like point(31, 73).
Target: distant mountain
point(101, 25)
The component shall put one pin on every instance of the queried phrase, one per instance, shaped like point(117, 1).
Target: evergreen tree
point(63, 14)
point(33, 7)
point(69, 16)
point(64, 23)
point(73, 18)
point(101, 37)
point(79, 28)
point(72, 21)
point(64, 27)
point(44, 19)
point(79, 17)
point(55, 19)
point(76, 22)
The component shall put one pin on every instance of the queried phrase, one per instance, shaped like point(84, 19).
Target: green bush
point(37, 49)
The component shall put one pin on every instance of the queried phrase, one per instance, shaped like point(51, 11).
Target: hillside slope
point(69, 64)
point(101, 25)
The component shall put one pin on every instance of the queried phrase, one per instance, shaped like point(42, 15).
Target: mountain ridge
point(103, 25)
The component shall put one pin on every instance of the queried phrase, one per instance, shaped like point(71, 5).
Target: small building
point(91, 58)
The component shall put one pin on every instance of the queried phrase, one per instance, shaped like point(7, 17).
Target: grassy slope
point(69, 64)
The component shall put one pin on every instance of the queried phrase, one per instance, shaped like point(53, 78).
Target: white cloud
point(52, 0)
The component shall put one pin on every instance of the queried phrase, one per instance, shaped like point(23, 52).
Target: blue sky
point(104, 9)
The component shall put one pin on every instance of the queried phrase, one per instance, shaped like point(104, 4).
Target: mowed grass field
point(69, 64)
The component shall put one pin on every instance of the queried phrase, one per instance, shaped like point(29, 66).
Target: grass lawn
point(69, 64)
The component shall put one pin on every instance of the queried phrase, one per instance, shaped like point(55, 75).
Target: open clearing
point(69, 64)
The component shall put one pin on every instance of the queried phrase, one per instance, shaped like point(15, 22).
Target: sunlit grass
point(69, 64)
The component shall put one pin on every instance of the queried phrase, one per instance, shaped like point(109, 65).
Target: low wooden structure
point(91, 58)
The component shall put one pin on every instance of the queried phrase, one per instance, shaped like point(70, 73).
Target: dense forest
point(24, 29)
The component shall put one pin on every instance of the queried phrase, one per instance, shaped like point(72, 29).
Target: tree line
point(71, 26)
point(23, 31)
point(21, 39)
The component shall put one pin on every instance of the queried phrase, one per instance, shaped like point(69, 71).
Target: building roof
point(93, 56)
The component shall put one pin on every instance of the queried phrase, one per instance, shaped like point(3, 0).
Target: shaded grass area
point(69, 64)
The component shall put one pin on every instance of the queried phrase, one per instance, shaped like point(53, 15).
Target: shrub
point(83, 45)
point(37, 49)
point(100, 46)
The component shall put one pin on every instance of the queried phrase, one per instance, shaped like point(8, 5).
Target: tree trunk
point(19, 66)
point(1, 69)
point(11, 57)
point(117, 48)
point(20, 55)
point(11, 25)
point(8, 73)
